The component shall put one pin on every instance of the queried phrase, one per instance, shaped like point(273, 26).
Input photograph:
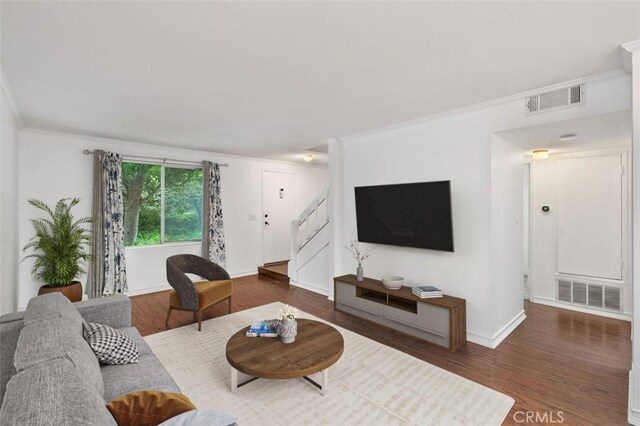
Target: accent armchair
point(196, 296)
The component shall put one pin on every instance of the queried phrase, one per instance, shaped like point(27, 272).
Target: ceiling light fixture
point(540, 154)
point(307, 157)
point(567, 137)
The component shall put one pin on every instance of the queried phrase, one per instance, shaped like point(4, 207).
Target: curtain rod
point(164, 160)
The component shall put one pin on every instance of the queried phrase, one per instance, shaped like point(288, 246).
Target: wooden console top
point(404, 293)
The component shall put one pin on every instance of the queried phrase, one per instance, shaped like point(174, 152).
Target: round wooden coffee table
point(317, 347)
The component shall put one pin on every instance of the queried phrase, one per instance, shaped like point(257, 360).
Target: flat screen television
point(408, 215)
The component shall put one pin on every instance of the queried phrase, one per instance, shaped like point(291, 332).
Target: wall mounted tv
point(408, 215)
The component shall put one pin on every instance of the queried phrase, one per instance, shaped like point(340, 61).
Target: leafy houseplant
point(59, 248)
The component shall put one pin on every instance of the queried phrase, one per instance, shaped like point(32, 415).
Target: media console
point(441, 320)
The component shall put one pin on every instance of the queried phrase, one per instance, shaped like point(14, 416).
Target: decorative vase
point(287, 330)
point(72, 291)
point(359, 273)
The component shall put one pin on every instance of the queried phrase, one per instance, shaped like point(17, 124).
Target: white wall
point(544, 229)
point(458, 147)
point(52, 166)
point(9, 246)
point(431, 152)
point(526, 215)
point(507, 238)
point(634, 374)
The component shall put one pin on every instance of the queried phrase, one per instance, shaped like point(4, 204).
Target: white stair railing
point(306, 226)
point(313, 219)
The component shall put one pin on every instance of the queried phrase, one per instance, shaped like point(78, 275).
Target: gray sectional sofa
point(49, 374)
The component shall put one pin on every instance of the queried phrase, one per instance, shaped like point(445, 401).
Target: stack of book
point(427, 291)
point(263, 328)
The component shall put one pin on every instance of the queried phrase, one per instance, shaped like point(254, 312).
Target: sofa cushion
point(148, 408)
point(134, 335)
point(10, 327)
point(53, 305)
point(110, 345)
point(147, 374)
point(44, 341)
point(52, 393)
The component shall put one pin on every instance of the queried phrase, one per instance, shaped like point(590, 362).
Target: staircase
point(276, 271)
point(309, 265)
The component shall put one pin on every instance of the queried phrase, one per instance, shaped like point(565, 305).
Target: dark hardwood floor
point(556, 361)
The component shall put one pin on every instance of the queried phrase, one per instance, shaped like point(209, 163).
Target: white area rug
point(371, 384)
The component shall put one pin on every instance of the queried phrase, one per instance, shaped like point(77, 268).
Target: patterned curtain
point(212, 223)
point(107, 274)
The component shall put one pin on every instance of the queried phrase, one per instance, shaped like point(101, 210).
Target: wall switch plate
point(252, 217)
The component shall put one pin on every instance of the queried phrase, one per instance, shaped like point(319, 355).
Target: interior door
point(279, 205)
point(590, 216)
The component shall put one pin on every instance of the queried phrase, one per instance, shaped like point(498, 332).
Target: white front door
point(279, 208)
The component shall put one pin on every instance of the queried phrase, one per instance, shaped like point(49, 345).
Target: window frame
point(163, 165)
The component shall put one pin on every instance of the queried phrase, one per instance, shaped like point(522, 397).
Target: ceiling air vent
point(555, 99)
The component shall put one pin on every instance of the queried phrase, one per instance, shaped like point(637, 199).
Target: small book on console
point(263, 328)
point(427, 291)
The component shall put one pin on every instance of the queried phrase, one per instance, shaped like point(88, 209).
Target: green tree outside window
point(144, 198)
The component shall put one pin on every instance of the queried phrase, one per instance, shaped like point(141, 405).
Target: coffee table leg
point(323, 387)
point(325, 382)
point(234, 379)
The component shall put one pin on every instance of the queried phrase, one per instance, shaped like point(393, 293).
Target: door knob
point(266, 223)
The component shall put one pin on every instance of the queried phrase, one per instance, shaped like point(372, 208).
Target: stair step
point(275, 271)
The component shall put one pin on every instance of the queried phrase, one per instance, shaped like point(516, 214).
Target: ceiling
point(597, 132)
point(271, 79)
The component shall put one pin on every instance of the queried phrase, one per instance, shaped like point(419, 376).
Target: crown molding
point(487, 104)
point(184, 151)
point(12, 101)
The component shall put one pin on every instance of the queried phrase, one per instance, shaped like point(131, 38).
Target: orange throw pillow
point(148, 408)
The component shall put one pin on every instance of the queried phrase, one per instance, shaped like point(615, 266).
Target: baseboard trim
point(503, 333)
point(163, 287)
point(508, 329)
point(633, 415)
point(310, 287)
point(479, 339)
point(147, 290)
point(554, 303)
point(244, 273)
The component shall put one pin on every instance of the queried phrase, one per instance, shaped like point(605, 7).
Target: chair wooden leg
point(200, 320)
point(229, 304)
point(166, 323)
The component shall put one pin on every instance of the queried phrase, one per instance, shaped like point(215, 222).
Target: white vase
point(287, 330)
point(359, 273)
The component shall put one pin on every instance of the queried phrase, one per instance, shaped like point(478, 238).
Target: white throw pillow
point(110, 346)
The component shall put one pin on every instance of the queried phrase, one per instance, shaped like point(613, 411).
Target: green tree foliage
point(59, 244)
point(141, 192)
point(142, 185)
point(183, 204)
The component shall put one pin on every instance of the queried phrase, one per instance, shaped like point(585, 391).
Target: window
point(162, 204)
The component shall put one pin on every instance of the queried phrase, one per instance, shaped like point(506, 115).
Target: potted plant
point(59, 248)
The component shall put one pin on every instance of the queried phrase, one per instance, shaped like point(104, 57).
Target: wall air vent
point(555, 99)
point(584, 293)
